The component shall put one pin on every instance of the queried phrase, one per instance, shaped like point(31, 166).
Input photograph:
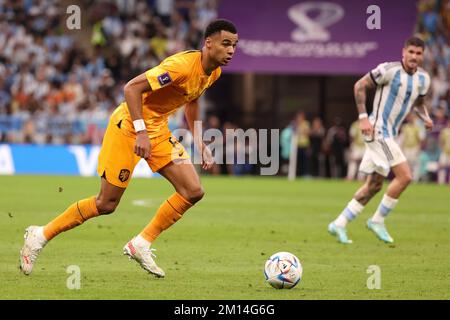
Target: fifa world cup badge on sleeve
point(164, 79)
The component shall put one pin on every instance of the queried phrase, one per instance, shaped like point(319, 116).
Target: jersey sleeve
point(169, 72)
point(424, 80)
point(379, 75)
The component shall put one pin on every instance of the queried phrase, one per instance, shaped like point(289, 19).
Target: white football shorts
point(380, 156)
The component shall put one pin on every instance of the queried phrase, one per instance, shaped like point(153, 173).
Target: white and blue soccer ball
point(283, 270)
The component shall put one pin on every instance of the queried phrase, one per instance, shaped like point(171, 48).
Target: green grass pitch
point(218, 249)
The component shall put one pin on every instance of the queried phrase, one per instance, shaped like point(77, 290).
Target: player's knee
point(407, 179)
point(375, 187)
point(195, 194)
point(106, 206)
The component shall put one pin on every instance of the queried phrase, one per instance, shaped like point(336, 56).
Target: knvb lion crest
point(124, 175)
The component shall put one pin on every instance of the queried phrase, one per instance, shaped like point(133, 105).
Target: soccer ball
point(283, 270)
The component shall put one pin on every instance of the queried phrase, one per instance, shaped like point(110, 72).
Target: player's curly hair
point(219, 25)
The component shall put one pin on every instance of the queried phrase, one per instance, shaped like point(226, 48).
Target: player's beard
point(413, 65)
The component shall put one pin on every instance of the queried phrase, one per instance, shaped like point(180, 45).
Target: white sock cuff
point(355, 206)
point(389, 202)
point(41, 236)
point(141, 241)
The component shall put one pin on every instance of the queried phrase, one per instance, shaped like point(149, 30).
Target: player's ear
point(208, 42)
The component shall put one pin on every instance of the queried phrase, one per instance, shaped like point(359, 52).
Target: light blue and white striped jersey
point(396, 92)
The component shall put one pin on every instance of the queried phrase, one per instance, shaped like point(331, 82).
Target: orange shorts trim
point(117, 159)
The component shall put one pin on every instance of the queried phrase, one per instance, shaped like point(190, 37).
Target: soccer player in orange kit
point(137, 129)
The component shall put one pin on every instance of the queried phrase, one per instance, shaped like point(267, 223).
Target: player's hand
point(142, 147)
point(428, 124)
point(207, 158)
point(366, 128)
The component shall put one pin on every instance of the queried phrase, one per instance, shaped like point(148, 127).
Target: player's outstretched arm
point(133, 96)
point(191, 113)
point(359, 90)
point(421, 110)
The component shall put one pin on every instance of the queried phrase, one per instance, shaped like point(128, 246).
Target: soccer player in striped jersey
point(400, 86)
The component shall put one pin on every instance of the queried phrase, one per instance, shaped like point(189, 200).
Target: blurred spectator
point(302, 130)
point(285, 146)
point(410, 141)
point(428, 160)
point(230, 147)
point(336, 143)
point(316, 137)
point(5, 97)
point(356, 153)
point(213, 123)
point(206, 11)
point(164, 9)
point(248, 150)
point(444, 159)
point(440, 122)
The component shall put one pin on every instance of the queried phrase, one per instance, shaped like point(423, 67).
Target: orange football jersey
point(178, 80)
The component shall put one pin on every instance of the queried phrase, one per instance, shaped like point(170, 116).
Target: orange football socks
point(168, 213)
point(75, 215)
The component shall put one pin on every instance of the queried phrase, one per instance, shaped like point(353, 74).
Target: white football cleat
point(34, 242)
point(144, 256)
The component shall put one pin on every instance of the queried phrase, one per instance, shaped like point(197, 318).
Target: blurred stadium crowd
point(52, 90)
point(57, 89)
